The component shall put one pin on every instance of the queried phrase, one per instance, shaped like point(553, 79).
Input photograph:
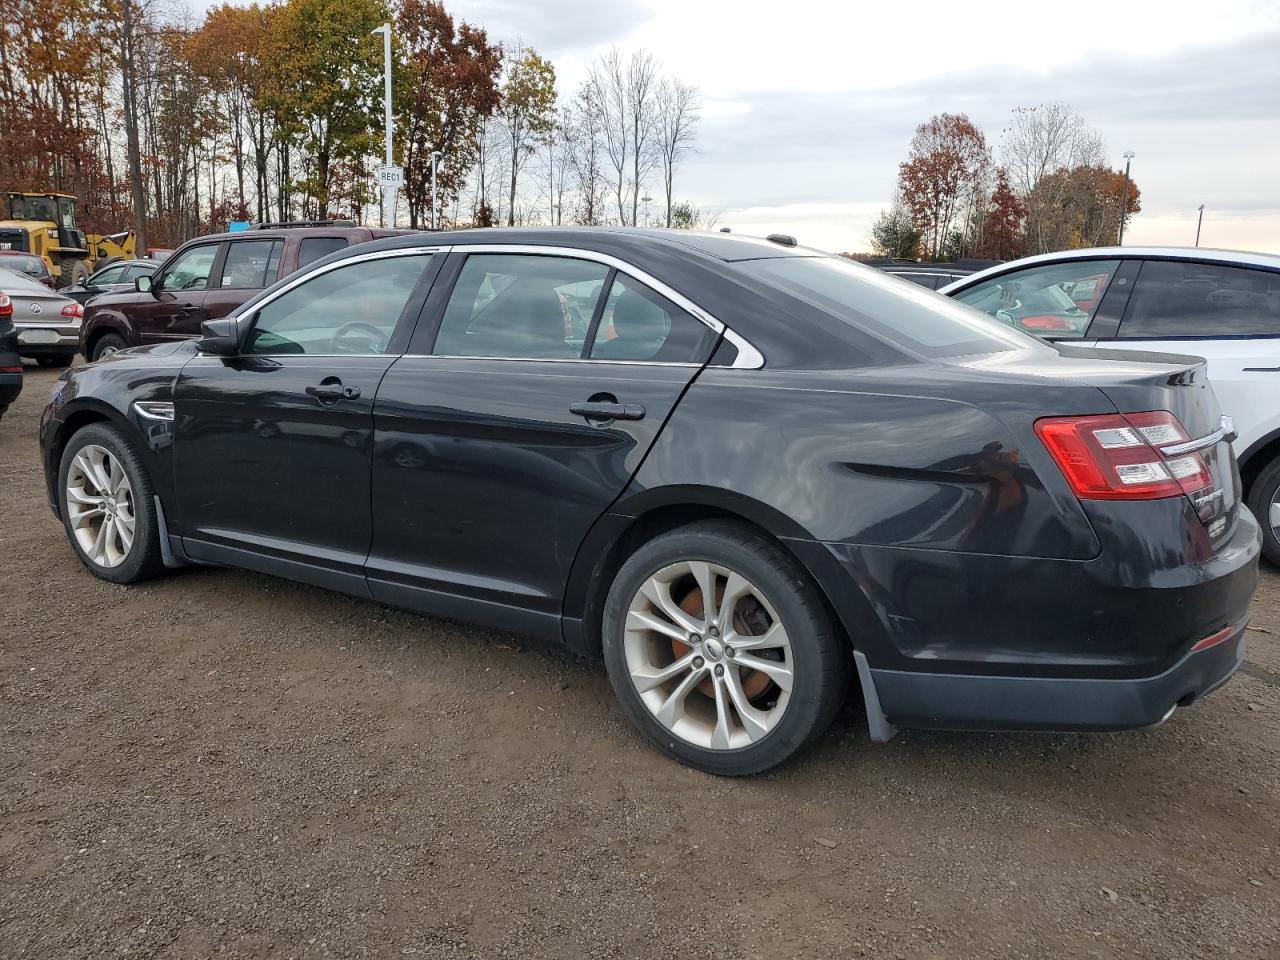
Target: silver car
point(47, 323)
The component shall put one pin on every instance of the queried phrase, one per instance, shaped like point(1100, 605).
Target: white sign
point(390, 177)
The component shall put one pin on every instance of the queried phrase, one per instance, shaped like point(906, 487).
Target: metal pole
point(1124, 196)
point(435, 199)
point(388, 192)
point(1198, 223)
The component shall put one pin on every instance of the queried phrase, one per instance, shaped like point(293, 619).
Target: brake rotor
point(754, 682)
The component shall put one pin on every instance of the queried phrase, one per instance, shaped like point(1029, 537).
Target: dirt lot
point(222, 764)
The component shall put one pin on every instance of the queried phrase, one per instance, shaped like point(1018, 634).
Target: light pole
point(435, 164)
point(388, 189)
point(1198, 223)
point(1124, 195)
point(646, 200)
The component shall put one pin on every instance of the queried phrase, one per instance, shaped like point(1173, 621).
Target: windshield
point(896, 310)
point(35, 208)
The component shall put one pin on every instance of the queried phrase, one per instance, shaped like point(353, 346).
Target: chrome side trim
point(596, 361)
point(748, 356)
point(1201, 443)
point(154, 409)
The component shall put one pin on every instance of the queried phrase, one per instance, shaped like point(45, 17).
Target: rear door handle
point(602, 410)
point(331, 390)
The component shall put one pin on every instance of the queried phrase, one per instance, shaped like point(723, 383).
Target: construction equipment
point(45, 224)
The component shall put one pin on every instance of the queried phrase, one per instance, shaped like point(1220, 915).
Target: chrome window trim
point(592, 360)
point(749, 358)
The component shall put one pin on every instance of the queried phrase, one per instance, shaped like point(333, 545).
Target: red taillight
point(6, 305)
point(1046, 322)
point(73, 311)
point(1114, 456)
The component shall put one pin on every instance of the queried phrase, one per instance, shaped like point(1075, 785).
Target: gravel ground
point(223, 764)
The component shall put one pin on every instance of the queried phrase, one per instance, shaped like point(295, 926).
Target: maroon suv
point(207, 278)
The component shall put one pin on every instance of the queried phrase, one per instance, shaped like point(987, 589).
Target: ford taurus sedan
point(746, 474)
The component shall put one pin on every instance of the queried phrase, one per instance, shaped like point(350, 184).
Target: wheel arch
point(637, 520)
point(85, 412)
point(1254, 460)
point(98, 325)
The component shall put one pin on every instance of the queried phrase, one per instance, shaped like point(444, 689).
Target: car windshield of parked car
point(1054, 300)
point(351, 309)
point(11, 281)
point(902, 313)
point(190, 270)
point(1174, 299)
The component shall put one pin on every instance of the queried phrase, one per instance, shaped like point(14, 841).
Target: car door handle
point(189, 308)
point(600, 410)
point(332, 390)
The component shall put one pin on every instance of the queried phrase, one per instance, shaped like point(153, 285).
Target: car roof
point(276, 233)
point(1238, 258)
point(727, 247)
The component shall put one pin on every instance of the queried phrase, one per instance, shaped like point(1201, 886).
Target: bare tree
point(585, 155)
point(1041, 141)
point(677, 119)
point(642, 102)
point(129, 92)
point(557, 162)
point(625, 94)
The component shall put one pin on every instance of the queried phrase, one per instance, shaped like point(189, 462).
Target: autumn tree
point(945, 165)
point(1002, 237)
point(527, 110)
point(894, 235)
point(450, 86)
point(325, 85)
point(1081, 207)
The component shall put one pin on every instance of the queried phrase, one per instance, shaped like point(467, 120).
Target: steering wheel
point(369, 339)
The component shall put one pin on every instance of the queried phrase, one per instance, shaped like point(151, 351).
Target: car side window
point(1056, 300)
point(250, 264)
point(110, 275)
point(136, 270)
point(1175, 299)
point(351, 309)
point(640, 325)
point(190, 270)
point(521, 306)
point(313, 248)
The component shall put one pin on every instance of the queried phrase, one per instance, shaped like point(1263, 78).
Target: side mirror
point(142, 284)
point(219, 337)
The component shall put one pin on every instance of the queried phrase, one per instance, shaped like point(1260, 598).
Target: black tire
point(1264, 492)
point(821, 654)
point(108, 343)
point(144, 559)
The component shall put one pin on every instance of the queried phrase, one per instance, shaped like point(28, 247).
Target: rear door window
point(1202, 300)
point(640, 325)
point(313, 248)
point(250, 264)
point(1056, 300)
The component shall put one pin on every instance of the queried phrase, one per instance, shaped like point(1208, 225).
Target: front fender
point(101, 320)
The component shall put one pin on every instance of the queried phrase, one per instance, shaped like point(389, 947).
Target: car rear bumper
point(968, 702)
point(43, 340)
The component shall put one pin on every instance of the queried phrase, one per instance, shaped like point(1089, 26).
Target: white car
point(1221, 305)
point(46, 321)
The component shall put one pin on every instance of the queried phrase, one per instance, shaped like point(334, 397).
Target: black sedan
point(116, 277)
point(744, 473)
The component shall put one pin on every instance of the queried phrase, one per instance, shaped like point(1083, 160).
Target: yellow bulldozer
point(45, 224)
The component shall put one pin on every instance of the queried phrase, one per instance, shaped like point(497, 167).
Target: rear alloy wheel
point(731, 686)
point(107, 508)
point(107, 345)
point(1264, 501)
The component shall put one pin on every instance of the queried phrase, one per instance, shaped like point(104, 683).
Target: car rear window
point(900, 312)
point(1205, 300)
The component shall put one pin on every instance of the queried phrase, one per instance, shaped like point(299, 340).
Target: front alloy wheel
point(718, 676)
point(100, 507)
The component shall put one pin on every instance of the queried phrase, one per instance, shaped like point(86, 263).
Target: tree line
point(275, 112)
point(1052, 189)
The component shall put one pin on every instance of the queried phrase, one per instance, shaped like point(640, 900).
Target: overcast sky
point(810, 105)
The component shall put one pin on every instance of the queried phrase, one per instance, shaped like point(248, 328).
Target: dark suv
point(207, 278)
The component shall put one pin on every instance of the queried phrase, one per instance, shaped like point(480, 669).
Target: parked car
point(172, 303)
point(758, 471)
point(113, 278)
point(929, 275)
point(1218, 304)
point(46, 324)
point(29, 264)
point(10, 361)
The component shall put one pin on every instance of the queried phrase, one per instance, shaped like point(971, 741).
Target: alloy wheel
point(708, 655)
point(1274, 514)
point(100, 506)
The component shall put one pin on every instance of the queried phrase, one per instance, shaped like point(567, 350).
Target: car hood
point(180, 350)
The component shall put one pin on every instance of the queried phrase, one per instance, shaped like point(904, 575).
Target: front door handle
point(331, 390)
point(189, 308)
point(603, 410)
